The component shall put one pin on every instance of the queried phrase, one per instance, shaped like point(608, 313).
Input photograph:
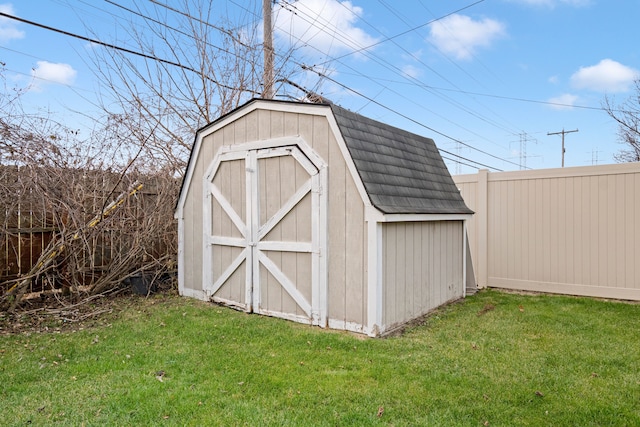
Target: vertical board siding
point(422, 268)
point(355, 256)
point(233, 289)
point(192, 240)
point(230, 180)
point(280, 178)
point(571, 230)
point(337, 229)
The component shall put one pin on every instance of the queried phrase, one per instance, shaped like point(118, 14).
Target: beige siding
point(571, 230)
point(346, 226)
point(347, 243)
point(422, 268)
point(193, 216)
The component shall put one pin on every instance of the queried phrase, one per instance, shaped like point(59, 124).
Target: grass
point(493, 359)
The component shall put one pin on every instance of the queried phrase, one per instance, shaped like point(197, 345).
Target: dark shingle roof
point(401, 171)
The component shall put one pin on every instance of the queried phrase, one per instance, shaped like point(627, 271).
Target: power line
point(467, 50)
point(474, 148)
point(423, 86)
point(454, 63)
point(405, 20)
point(119, 48)
point(377, 103)
point(416, 122)
point(510, 98)
point(457, 161)
point(151, 57)
point(390, 66)
point(404, 32)
point(458, 90)
point(75, 89)
point(223, 30)
point(164, 24)
point(455, 90)
point(534, 101)
point(420, 61)
point(229, 33)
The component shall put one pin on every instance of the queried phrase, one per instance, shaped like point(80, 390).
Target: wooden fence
point(571, 230)
point(40, 205)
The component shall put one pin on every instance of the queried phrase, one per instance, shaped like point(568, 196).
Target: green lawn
point(494, 359)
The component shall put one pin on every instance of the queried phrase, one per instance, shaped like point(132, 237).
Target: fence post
point(482, 216)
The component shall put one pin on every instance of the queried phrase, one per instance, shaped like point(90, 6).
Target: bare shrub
point(79, 215)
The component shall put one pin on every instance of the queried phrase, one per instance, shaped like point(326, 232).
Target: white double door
point(263, 244)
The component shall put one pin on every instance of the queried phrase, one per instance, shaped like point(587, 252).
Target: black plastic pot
point(143, 284)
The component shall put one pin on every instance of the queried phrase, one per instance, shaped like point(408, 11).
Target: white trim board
point(373, 214)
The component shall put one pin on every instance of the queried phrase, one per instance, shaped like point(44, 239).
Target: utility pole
point(268, 50)
point(523, 150)
point(562, 132)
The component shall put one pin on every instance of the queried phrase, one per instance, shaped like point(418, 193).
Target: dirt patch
point(399, 330)
point(538, 293)
point(57, 314)
point(487, 308)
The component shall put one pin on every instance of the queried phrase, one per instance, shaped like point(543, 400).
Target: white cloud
point(461, 36)
point(563, 102)
point(411, 71)
point(327, 26)
point(8, 27)
point(49, 72)
point(606, 76)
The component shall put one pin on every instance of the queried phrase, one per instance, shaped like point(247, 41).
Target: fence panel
point(571, 230)
point(26, 224)
point(43, 204)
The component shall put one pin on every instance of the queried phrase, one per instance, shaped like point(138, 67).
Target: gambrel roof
point(402, 172)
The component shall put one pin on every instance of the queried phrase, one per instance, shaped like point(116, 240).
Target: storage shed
point(313, 213)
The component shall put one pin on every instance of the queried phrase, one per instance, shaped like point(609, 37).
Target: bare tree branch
point(627, 115)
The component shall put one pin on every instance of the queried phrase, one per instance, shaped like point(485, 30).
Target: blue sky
point(495, 75)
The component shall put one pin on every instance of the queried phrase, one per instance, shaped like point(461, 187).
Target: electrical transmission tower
point(524, 138)
point(458, 149)
point(522, 152)
point(594, 156)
